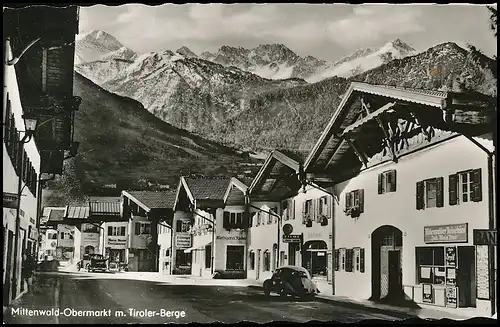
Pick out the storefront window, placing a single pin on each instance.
(267, 261)
(430, 265)
(182, 258)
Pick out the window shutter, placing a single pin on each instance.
(315, 210)
(225, 220)
(110, 230)
(362, 260)
(337, 256)
(420, 195)
(394, 181)
(439, 192)
(137, 228)
(329, 206)
(122, 231)
(250, 219)
(453, 189)
(380, 179)
(304, 212)
(347, 202)
(477, 192)
(293, 210)
(361, 197)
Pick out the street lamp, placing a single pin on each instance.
(30, 125)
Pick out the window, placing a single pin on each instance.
(235, 257)
(387, 182)
(208, 256)
(62, 235)
(282, 258)
(233, 220)
(269, 217)
(142, 228)
(307, 213)
(465, 187)
(354, 203)
(291, 209)
(250, 219)
(284, 210)
(274, 210)
(182, 258)
(267, 261)
(349, 256)
(251, 259)
(323, 206)
(259, 218)
(116, 231)
(430, 193)
(430, 265)
(337, 258)
(89, 228)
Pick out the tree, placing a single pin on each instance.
(386, 57)
(493, 19)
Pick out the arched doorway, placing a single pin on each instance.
(89, 249)
(314, 258)
(387, 277)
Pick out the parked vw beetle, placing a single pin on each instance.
(291, 280)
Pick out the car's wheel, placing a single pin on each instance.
(267, 291)
(283, 293)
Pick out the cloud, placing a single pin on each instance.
(375, 23)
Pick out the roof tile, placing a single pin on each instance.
(105, 208)
(155, 200)
(208, 188)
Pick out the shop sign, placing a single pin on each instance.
(33, 234)
(231, 238)
(484, 237)
(451, 297)
(456, 233)
(451, 276)
(287, 229)
(183, 241)
(90, 237)
(292, 238)
(427, 293)
(118, 242)
(482, 272)
(10, 200)
(451, 256)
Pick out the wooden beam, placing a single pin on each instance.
(365, 106)
(342, 143)
(360, 156)
(387, 139)
(44, 70)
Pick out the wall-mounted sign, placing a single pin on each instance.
(456, 233)
(287, 229)
(51, 245)
(292, 238)
(451, 276)
(484, 237)
(115, 242)
(183, 241)
(90, 237)
(33, 234)
(451, 256)
(483, 273)
(451, 297)
(231, 238)
(10, 200)
(427, 293)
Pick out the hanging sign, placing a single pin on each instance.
(10, 200)
(484, 237)
(292, 238)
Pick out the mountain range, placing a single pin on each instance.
(205, 110)
(210, 96)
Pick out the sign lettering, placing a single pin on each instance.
(485, 237)
(117, 242)
(10, 200)
(233, 238)
(183, 241)
(292, 238)
(456, 233)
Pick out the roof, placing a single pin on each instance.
(276, 164)
(429, 98)
(207, 188)
(235, 182)
(57, 214)
(105, 208)
(78, 212)
(153, 200)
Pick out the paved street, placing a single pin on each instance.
(110, 295)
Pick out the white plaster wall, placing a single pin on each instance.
(124, 238)
(224, 237)
(137, 241)
(399, 208)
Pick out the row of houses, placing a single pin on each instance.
(38, 123)
(395, 200)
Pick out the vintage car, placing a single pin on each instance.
(98, 264)
(87, 258)
(291, 280)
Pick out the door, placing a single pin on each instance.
(8, 268)
(466, 276)
(257, 271)
(395, 282)
(292, 248)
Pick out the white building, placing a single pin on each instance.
(412, 170)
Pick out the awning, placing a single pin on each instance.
(199, 246)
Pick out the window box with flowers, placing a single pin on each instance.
(354, 203)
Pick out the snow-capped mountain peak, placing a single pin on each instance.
(185, 51)
(94, 45)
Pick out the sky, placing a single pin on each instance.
(325, 31)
